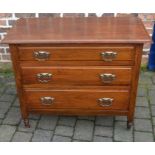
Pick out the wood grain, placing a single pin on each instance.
(77, 53)
(76, 63)
(78, 30)
(78, 98)
(134, 84)
(19, 85)
(75, 46)
(78, 112)
(79, 75)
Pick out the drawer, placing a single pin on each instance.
(79, 75)
(106, 54)
(100, 98)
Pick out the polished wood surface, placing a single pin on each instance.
(78, 98)
(75, 60)
(76, 63)
(134, 84)
(77, 53)
(79, 112)
(78, 30)
(77, 75)
(19, 85)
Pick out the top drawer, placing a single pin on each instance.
(77, 53)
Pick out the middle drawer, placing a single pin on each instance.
(81, 75)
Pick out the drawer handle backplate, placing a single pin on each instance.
(107, 77)
(44, 77)
(41, 55)
(105, 102)
(47, 100)
(109, 55)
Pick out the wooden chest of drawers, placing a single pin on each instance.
(77, 66)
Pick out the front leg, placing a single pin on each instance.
(26, 123)
(129, 122)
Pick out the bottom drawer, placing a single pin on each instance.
(100, 98)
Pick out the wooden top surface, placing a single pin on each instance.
(78, 30)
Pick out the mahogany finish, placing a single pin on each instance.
(78, 99)
(77, 66)
(80, 75)
(77, 53)
(78, 30)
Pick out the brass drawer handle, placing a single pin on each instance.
(109, 55)
(105, 102)
(41, 55)
(107, 77)
(47, 100)
(44, 77)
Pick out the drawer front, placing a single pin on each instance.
(78, 99)
(106, 54)
(76, 75)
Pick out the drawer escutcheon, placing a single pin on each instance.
(105, 102)
(41, 55)
(44, 77)
(109, 55)
(47, 100)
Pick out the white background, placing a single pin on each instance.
(74, 6)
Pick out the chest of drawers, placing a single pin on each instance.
(77, 66)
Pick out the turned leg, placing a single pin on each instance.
(129, 122)
(26, 123)
(25, 117)
(129, 125)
